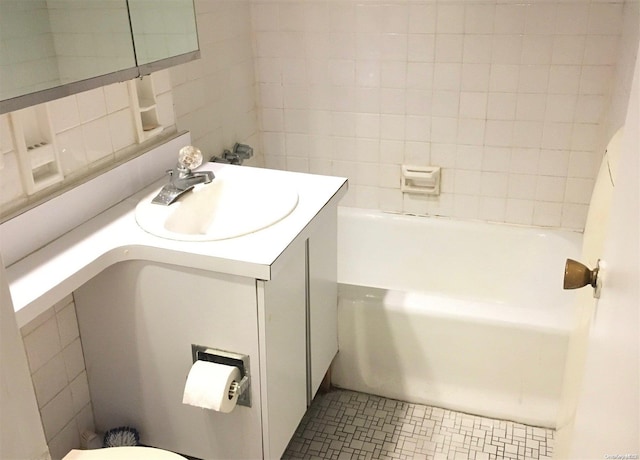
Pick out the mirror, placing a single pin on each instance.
(162, 29)
(54, 42)
(52, 48)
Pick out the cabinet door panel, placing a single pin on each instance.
(323, 296)
(281, 307)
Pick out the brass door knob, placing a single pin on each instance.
(577, 275)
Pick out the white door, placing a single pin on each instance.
(607, 420)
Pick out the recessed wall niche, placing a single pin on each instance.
(49, 147)
(145, 108)
(35, 144)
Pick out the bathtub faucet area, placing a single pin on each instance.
(236, 156)
(182, 176)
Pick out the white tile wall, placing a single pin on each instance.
(519, 89)
(215, 97)
(56, 361)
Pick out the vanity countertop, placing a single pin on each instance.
(52, 272)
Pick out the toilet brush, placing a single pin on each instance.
(121, 436)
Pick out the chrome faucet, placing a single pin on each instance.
(182, 178)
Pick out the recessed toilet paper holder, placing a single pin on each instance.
(201, 353)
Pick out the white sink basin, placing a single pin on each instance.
(230, 206)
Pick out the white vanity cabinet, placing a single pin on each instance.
(138, 320)
(142, 301)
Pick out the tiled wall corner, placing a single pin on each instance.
(54, 351)
(214, 97)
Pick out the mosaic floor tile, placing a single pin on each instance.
(346, 425)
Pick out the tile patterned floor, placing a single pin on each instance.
(345, 425)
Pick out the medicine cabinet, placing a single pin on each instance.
(54, 48)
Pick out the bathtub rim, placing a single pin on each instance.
(400, 215)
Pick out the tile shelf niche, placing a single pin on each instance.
(145, 111)
(35, 143)
(34, 139)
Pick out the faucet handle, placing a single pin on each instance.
(189, 157)
(243, 151)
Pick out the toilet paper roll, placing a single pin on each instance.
(208, 386)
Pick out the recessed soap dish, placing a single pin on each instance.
(421, 180)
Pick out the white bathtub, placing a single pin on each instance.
(463, 315)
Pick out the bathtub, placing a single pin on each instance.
(463, 315)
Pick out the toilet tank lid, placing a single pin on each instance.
(123, 453)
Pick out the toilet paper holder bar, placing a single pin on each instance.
(228, 358)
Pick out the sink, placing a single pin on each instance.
(231, 205)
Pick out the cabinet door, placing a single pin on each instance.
(323, 296)
(281, 312)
